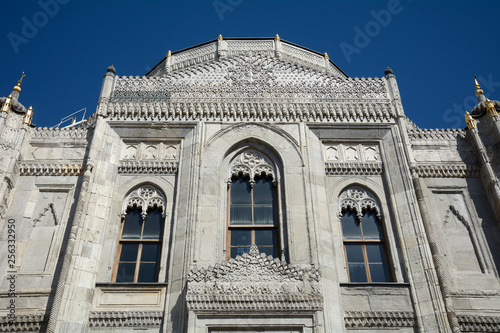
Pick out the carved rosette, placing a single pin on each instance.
(251, 163)
(358, 199)
(144, 197)
(254, 282)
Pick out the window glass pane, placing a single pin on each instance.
(371, 227)
(125, 272)
(375, 253)
(132, 225)
(265, 237)
(147, 272)
(263, 215)
(354, 253)
(150, 252)
(357, 273)
(378, 273)
(269, 251)
(263, 191)
(154, 225)
(241, 215)
(240, 191)
(350, 225)
(241, 237)
(238, 251)
(129, 252)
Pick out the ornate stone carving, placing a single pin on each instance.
(59, 133)
(146, 167)
(358, 199)
(448, 170)
(334, 169)
(144, 197)
(45, 169)
(143, 319)
(23, 323)
(251, 163)
(379, 319)
(254, 282)
(470, 323)
(436, 134)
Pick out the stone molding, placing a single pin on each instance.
(254, 282)
(59, 133)
(46, 169)
(148, 167)
(23, 323)
(448, 170)
(341, 169)
(479, 323)
(251, 163)
(379, 319)
(143, 319)
(436, 134)
(233, 110)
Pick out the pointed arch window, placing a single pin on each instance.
(252, 202)
(141, 230)
(363, 237)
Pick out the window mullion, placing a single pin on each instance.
(367, 265)
(138, 262)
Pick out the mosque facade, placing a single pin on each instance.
(249, 185)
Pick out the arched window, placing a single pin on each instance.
(139, 246)
(363, 237)
(252, 214)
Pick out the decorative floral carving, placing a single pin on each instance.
(256, 282)
(146, 167)
(358, 199)
(144, 197)
(251, 163)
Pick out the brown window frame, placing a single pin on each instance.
(253, 227)
(140, 242)
(363, 242)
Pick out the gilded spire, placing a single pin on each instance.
(479, 91)
(471, 123)
(277, 37)
(7, 104)
(326, 56)
(169, 54)
(18, 87)
(28, 116)
(219, 38)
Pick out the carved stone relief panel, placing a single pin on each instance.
(48, 214)
(156, 151)
(346, 152)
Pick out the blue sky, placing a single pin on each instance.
(434, 47)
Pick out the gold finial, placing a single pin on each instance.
(28, 116)
(18, 87)
(326, 56)
(219, 38)
(277, 37)
(471, 123)
(169, 53)
(7, 104)
(491, 108)
(479, 91)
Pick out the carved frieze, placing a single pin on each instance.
(448, 170)
(379, 319)
(23, 323)
(147, 167)
(470, 323)
(142, 319)
(254, 282)
(352, 159)
(46, 169)
(340, 169)
(158, 151)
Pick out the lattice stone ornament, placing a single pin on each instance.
(251, 163)
(144, 197)
(358, 199)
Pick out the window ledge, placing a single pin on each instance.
(130, 284)
(375, 284)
